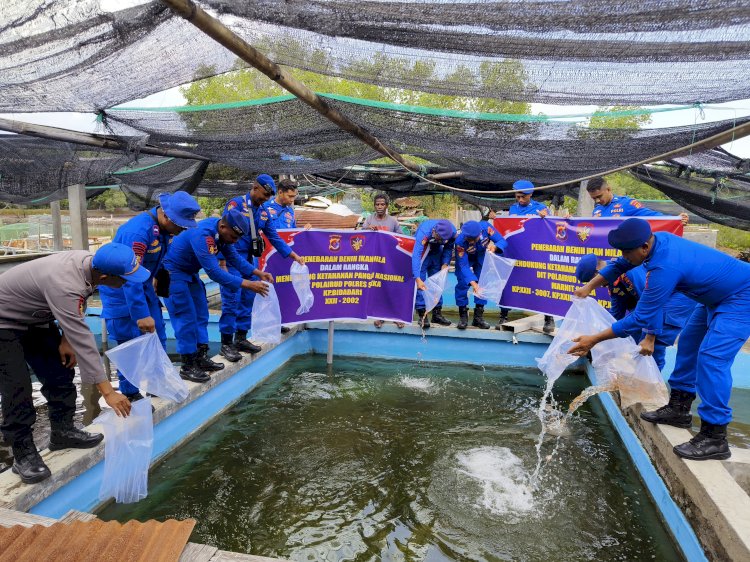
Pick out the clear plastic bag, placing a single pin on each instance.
(301, 283)
(145, 364)
(266, 323)
(435, 286)
(584, 317)
(128, 443)
(496, 271)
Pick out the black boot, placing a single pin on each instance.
(65, 435)
(549, 324)
(478, 321)
(676, 412)
(463, 317)
(190, 370)
(228, 350)
(710, 443)
(423, 321)
(27, 463)
(204, 361)
(285, 329)
(503, 319)
(241, 343)
(438, 318)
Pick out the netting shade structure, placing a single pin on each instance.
(69, 55)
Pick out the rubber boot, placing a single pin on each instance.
(478, 320)
(423, 321)
(190, 370)
(710, 443)
(676, 412)
(549, 324)
(27, 463)
(204, 362)
(65, 435)
(241, 343)
(438, 318)
(503, 319)
(228, 350)
(463, 317)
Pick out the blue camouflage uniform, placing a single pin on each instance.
(190, 252)
(236, 304)
(469, 259)
(282, 216)
(429, 255)
(123, 307)
(533, 208)
(624, 206)
(718, 326)
(625, 292)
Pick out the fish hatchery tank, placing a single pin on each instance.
(398, 460)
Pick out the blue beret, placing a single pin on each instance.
(524, 186)
(472, 229)
(586, 268)
(237, 221)
(444, 229)
(266, 181)
(630, 234)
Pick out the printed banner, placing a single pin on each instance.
(354, 274)
(547, 252)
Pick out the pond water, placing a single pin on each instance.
(393, 460)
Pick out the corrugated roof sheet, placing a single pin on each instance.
(321, 219)
(152, 541)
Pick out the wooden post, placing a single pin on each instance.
(78, 216)
(585, 202)
(57, 232)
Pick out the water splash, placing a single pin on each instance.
(421, 384)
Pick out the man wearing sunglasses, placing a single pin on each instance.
(135, 309)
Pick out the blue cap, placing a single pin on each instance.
(118, 259)
(586, 268)
(237, 221)
(630, 234)
(472, 229)
(266, 181)
(180, 208)
(444, 229)
(524, 186)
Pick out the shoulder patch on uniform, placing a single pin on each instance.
(139, 249)
(232, 204)
(155, 230)
(81, 306)
(490, 231)
(460, 251)
(636, 204)
(211, 245)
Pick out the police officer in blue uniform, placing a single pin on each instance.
(281, 207)
(135, 308)
(190, 252)
(607, 204)
(433, 247)
(471, 247)
(236, 305)
(710, 340)
(624, 294)
(525, 206)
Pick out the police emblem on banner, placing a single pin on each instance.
(357, 242)
(584, 231)
(562, 231)
(334, 242)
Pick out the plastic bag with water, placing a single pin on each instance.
(145, 364)
(266, 322)
(435, 285)
(585, 317)
(127, 453)
(301, 283)
(496, 271)
(636, 376)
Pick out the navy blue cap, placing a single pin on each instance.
(237, 221)
(472, 229)
(586, 268)
(180, 208)
(524, 186)
(630, 234)
(444, 229)
(118, 259)
(266, 181)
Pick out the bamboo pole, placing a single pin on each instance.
(226, 37)
(88, 139)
